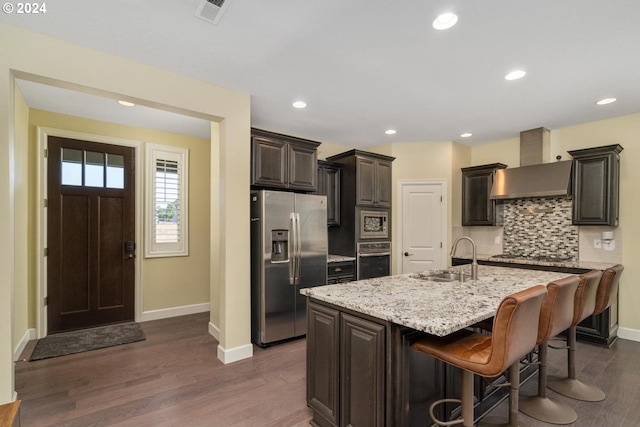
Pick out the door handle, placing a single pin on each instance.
(129, 256)
(407, 254)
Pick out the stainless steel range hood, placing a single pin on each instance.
(533, 180)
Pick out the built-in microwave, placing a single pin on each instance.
(374, 224)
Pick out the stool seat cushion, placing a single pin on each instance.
(515, 329)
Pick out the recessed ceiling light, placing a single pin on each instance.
(126, 103)
(299, 104)
(445, 21)
(465, 135)
(515, 75)
(390, 131)
(606, 101)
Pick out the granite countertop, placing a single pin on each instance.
(339, 258)
(586, 265)
(438, 308)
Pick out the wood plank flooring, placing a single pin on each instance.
(174, 379)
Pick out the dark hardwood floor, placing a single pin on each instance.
(174, 379)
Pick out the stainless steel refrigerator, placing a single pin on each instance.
(288, 253)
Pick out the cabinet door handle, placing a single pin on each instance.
(407, 254)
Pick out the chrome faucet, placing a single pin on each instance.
(474, 263)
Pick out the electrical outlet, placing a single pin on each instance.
(497, 240)
(597, 244)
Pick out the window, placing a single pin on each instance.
(167, 208)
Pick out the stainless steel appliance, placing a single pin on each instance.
(288, 252)
(374, 259)
(374, 224)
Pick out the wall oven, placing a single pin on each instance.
(374, 259)
(373, 224)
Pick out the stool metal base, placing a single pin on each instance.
(547, 410)
(576, 389)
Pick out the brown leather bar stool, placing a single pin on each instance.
(607, 290)
(514, 335)
(556, 315)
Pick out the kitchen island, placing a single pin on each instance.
(600, 329)
(361, 370)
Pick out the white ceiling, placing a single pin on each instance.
(364, 66)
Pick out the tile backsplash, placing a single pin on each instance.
(539, 227)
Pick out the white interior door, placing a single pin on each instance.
(422, 227)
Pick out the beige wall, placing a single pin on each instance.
(166, 282)
(327, 149)
(36, 57)
(621, 130)
(416, 160)
(22, 271)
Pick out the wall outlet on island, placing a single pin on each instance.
(597, 244)
(497, 240)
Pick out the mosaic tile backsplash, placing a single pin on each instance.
(539, 227)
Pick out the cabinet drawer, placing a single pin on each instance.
(336, 269)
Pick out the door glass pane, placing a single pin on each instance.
(71, 167)
(115, 171)
(94, 169)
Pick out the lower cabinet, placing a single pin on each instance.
(341, 272)
(345, 369)
(362, 372)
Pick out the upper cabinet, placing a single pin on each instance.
(477, 208)
(369, 174)
(596, 182)
(281, 161)
(329, 185)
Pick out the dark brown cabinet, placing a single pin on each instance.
(477, 208)
(329, 185)
(362, 363)
(281, 161)
(596, 182)
(323, 363)
(367, 176)
(346, 368)
(373, 182)
(341, 272)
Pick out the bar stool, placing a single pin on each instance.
(556, 315)
(514, 335)
(607, 290)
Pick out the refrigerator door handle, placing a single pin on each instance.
(292, 245)
(298, 249)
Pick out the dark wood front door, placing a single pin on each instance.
(90, 234)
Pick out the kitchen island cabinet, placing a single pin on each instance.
(361, 370)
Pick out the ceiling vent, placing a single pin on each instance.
(211, 10)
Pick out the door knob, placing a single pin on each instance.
(407, 254)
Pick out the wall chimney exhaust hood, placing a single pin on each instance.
(533, 178)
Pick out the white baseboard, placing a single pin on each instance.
(234, 354)
(166, 313)
(29, 335)
(629, 334)
(214, 331)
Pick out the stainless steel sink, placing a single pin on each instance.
(445, 276)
